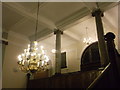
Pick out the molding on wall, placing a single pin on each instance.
(73, 17)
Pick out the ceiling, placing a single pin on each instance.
(70, 17)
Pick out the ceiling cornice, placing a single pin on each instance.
(72, 18)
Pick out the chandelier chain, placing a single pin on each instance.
(97, 5)
(87, 32)
(37, 22)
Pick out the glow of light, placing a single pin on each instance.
(42, 63)
(28, 45)
(39, 54)
(41, 47)
(88, 41)
(53, 51)
(19, 56)
(27, 53)
(23, 55)
(33, 59)
(43, 52)
(25, 50)
(36, 48)
(23, 62)
(32, 54)
(47, 59)
(28, 49)
(38, 63)
(35, 42)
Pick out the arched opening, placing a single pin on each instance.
(90, 59)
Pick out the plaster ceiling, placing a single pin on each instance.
(78, 32)
(72, 18)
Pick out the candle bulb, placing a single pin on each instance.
(41, 47)
(23, 62)
(38, 56)
(38, 64)
(35, 43)
(28, 45)
(25, 50)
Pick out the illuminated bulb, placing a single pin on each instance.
(84, 40)
(89, 38)
(25, 50)
(19, 56)
(41, 47)
(47, 59)
(28, 49)
(23, 62)
(36, 48)
(38, 64)
(28, 45)
(32, 54)
(20, 59)
(53, 51)
(35, 42)
(87, 41)
(42, 63)
(27, 53)
(23, 55)
(43, 52)
(45, 56)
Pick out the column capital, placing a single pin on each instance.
(58, 31)
(97, 12)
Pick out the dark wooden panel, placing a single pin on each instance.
(71, 80)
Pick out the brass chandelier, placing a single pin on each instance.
(34, 58)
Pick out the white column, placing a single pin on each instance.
(58, 52)
(100, 33)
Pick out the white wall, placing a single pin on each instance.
(73, 57)
(12, 77)
(110, 23)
